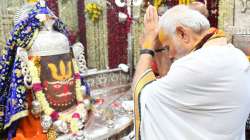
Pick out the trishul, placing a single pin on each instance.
(62, 75)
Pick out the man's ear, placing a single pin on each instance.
(182, 34)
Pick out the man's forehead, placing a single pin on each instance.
(163, 36)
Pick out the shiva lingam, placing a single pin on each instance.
(52, 69)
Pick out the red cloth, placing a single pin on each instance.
(30, 127)
(154, 67)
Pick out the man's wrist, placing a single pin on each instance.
(147, 51)
(148, 43)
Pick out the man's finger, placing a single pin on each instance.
(145, 19)
(148, 13)
(151, 12)
(156, 17)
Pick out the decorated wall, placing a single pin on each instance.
(234, 18)
(96, 24)
(137, 30)
(68, 13)
(226, 8)
(241, 32)
(96, 34)
(7, 11)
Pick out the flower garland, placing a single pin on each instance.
(32, 1)
(82, 24)
(157, 3)
(185, 1)
(213, 8)
(96, 39)
(71, 118)
(94, 11)
(226, 12)
(53, 5)
(171, 3)
(68, 14)
(117, 44)
(137, 30)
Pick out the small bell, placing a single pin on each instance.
(36, 108)
(61, 127)
(46, 123)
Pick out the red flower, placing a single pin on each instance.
(37, 87)
(30, 57)
(54, 116)
(117, 44)
(77, 76)
(76, 115)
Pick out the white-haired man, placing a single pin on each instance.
(205, 95)
(162, 63)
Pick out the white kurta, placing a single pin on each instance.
(205, 96)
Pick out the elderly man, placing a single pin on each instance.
(203, 96)
(161, 63)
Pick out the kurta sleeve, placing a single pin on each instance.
(146, 78)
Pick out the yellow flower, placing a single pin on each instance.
(88, 7)
(94, 11)
(4, 52)
(95, 16)
(31, 1)
(98, 8)
(73, 125)
(157, 3)
(21, 88)
(18, 73)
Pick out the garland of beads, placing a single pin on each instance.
(33, 65)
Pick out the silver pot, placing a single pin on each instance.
(46, 123)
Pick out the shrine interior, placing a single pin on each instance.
(69, 69)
